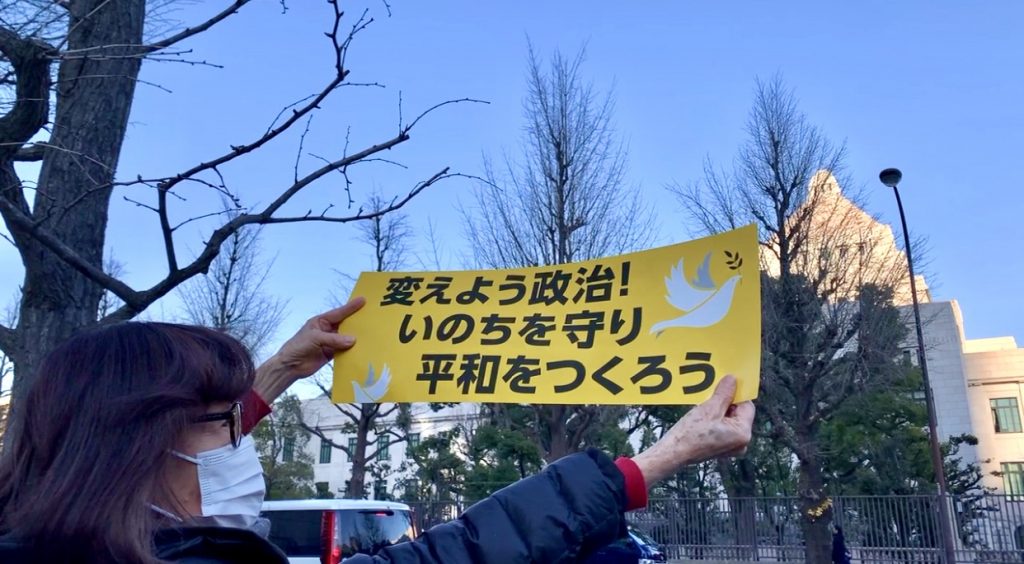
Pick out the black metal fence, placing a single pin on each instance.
(892, 529)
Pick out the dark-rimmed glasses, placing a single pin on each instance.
(234, 418)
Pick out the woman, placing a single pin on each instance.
(94, 464)
(131, 448)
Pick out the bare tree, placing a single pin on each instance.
(231, 296)
(564, 199)
(435, 256)
(829, 326)
(388, 236)
(68, 74)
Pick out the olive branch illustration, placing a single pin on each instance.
(734, 260)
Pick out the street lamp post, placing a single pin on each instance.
(891, 177)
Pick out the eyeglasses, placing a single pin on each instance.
(234, 418)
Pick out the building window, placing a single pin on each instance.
(351, 448)
(380, 489)
(288, 450)
(1005, 415)
(414, 441)
(412, 488)
(908, 357)
(325, 451)
(1013, 479)
(383, 448)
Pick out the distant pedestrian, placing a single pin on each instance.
(840, 555)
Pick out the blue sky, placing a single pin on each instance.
(932, 87)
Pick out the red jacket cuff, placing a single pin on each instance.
(254, 409)
(636, 486)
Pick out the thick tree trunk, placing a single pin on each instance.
(93, 102)
(357, 481)
(815, 512)
(357, 477)
(740, 483)
(557, 435)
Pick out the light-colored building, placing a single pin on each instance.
(943, 343)
(995, 384)
(977, 384)
(332, 467)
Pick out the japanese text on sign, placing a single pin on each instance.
(658, 326)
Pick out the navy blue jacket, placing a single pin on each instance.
(187, 545)
(563, 514)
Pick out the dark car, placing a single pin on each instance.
(635, 548)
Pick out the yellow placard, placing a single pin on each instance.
(653, 327)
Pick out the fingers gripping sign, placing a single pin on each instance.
(713, 429)
(318, 340)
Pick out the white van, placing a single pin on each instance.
(329, 530)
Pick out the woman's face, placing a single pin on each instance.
(182, 476)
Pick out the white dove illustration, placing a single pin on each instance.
(374, 388)
(702, 303)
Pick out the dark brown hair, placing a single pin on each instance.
(88, 444)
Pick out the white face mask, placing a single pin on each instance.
(231, 485)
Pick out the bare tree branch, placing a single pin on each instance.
(31, 107)
(438, 106)
(78, 161)
(566, 197)
(203, 216)
(323, 437)
(124, 77)
(195, 30)
(239, 150)
(165, 228)
(33, 153)
(327, 394)
(298, 153)
(41, 146)
(390, 411)
(6, 340)
(139, 204)
(17, 218)
(136, 301)
(232, 297)
(360, 215)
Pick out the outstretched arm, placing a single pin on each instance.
(577, 504)
(313, 346)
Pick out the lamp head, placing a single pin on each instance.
(890, 177)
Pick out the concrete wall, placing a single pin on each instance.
(965, 375)
(943, 338)
(991, 374)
